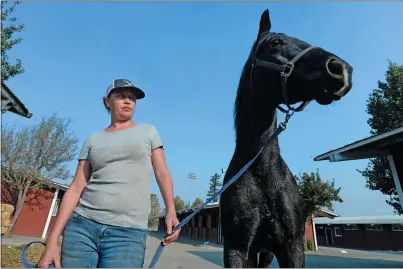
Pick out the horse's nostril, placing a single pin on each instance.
(335, 68)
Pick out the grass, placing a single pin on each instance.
(11, 255)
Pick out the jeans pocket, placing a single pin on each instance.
(75, 217)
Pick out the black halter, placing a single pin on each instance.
(285, 71)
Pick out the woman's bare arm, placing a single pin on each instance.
(164, 179)
(70, 200)
(165, 184)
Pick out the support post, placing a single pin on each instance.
(315, 241)
(45, 230)
(395, 176)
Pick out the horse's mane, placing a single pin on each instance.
(242, 96)
(243, 99)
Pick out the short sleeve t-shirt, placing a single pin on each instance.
(117, 192)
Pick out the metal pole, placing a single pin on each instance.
(191, 176)
(220, 237)
(222, 173)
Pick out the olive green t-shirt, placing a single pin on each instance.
(117, 192)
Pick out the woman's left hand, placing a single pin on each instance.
(171, 221)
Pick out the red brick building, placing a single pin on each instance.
(39, 210)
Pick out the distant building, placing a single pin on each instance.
(205, 225)
(365, 233)
(11, 103)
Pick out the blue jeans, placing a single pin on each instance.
(89, 244)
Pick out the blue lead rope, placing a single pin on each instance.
(160, 248)
(24, 261)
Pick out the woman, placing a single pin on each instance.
(104, 212)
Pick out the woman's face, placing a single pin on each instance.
(121, 104)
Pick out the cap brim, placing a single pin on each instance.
(137, 91)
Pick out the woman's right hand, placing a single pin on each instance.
(71, 197)
(50, 256)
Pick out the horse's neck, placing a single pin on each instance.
(269, 162)
(257, 131)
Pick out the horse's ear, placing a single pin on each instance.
(265, 24)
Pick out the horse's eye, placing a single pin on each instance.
(275, 42)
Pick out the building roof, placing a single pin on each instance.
(375, 146)
(55, 184)
(330, 212)
(217, 204)
(392, 219)
(210, 205)
(58, 185)
(10, 102)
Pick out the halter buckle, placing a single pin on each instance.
(287, 69)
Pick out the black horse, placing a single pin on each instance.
(261, 213)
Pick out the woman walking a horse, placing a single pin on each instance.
(104, 212)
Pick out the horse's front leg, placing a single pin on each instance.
(291, 254)
(235, 257)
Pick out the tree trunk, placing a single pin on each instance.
(20, 203)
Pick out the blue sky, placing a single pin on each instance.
(188, 57)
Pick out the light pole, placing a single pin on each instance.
(222, 173)
(191, 176)
(220, 237)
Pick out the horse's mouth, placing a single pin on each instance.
(326, 97)
(339, 82)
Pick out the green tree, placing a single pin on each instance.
(154, 215)
(215, 185)
(197, 202)
(385, 107)
(179, 203)
(34, 155)
(8, 29)
(316, 193)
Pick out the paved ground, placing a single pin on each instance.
(18, 240)
(188, 253)
(358, 252)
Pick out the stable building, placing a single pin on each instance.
(365, 233)
(205, 225)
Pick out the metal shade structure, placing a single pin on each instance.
(388, 144)
(11, 103)
(381, 145)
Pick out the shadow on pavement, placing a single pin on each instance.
(313, 261)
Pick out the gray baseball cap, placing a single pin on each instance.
(125, 83)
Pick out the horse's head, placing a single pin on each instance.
(301, 71)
